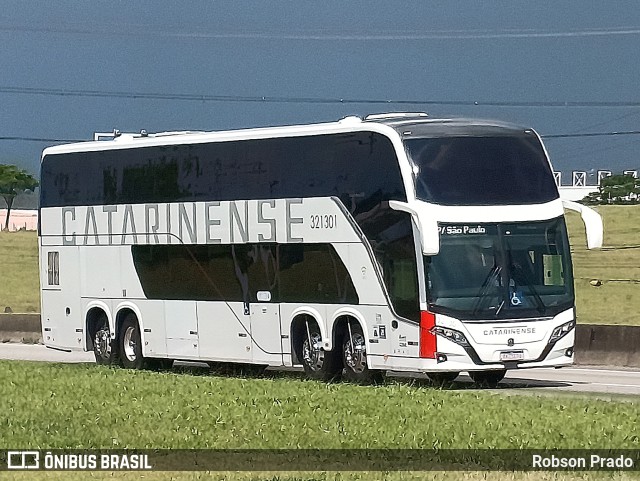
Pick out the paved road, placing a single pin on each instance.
(575, 379)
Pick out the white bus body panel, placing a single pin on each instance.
(266, 345)
(62, 325)
(181, 323)
(224, 331)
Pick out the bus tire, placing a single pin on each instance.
(130, 344)
(158, 364)
(488, 378)
(104, 348)
(317, 363)
(442, 378)
(354, 358)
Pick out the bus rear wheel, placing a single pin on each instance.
(488, 378)
(104, 348)
(318, 363)
(130, 345)
(354, 358)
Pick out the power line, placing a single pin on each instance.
(591, 134)
(309, 100)
(120, 30)
(607, 122)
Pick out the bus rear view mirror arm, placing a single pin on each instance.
(592, 223)
(428, 227)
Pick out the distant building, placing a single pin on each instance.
(20, 219)
(583, 183)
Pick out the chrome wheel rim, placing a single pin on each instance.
(313, 356)
(129, 344)
(102, 343)
(355, 357)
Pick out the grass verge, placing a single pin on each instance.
(89, 406)
(19, 271)
(617, 299)
(47, 406)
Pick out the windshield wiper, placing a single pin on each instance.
(492, 275)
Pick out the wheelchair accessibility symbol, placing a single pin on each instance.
(515, 299)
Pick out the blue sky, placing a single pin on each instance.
(530, 57)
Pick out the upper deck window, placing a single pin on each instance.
(482, 170)
(360, 168)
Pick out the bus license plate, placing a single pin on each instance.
(512, 356)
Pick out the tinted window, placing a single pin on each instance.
(391, 236)
(501, 271)
(190, 272)
(311, 273)
(314, 273)
(360, 168)
(482, 170)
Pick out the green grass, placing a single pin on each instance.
(46, 406)
(19, 271)
(616, 301)
(89, 406)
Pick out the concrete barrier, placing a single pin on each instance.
(599, 345)
(596, 345)
(20, 328)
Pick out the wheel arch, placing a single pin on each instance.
(122, 311)
(298, 330)
(339, 325)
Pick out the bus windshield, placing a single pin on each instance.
(501, 271)
(501, 169)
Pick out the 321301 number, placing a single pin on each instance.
(324, 221)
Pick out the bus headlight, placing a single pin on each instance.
(450, 334)
(561, 331)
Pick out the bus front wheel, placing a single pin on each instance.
(442, 378)
(488, 378)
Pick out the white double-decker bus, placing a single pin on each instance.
(395, 242)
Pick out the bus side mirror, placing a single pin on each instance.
(428, 227)
(592, 223)
(430, 237)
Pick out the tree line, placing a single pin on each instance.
(14, 181)
(616, 189)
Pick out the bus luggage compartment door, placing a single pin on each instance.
(265, 333)
(181, 324)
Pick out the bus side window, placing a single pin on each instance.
(553, 272)
(313, 273)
